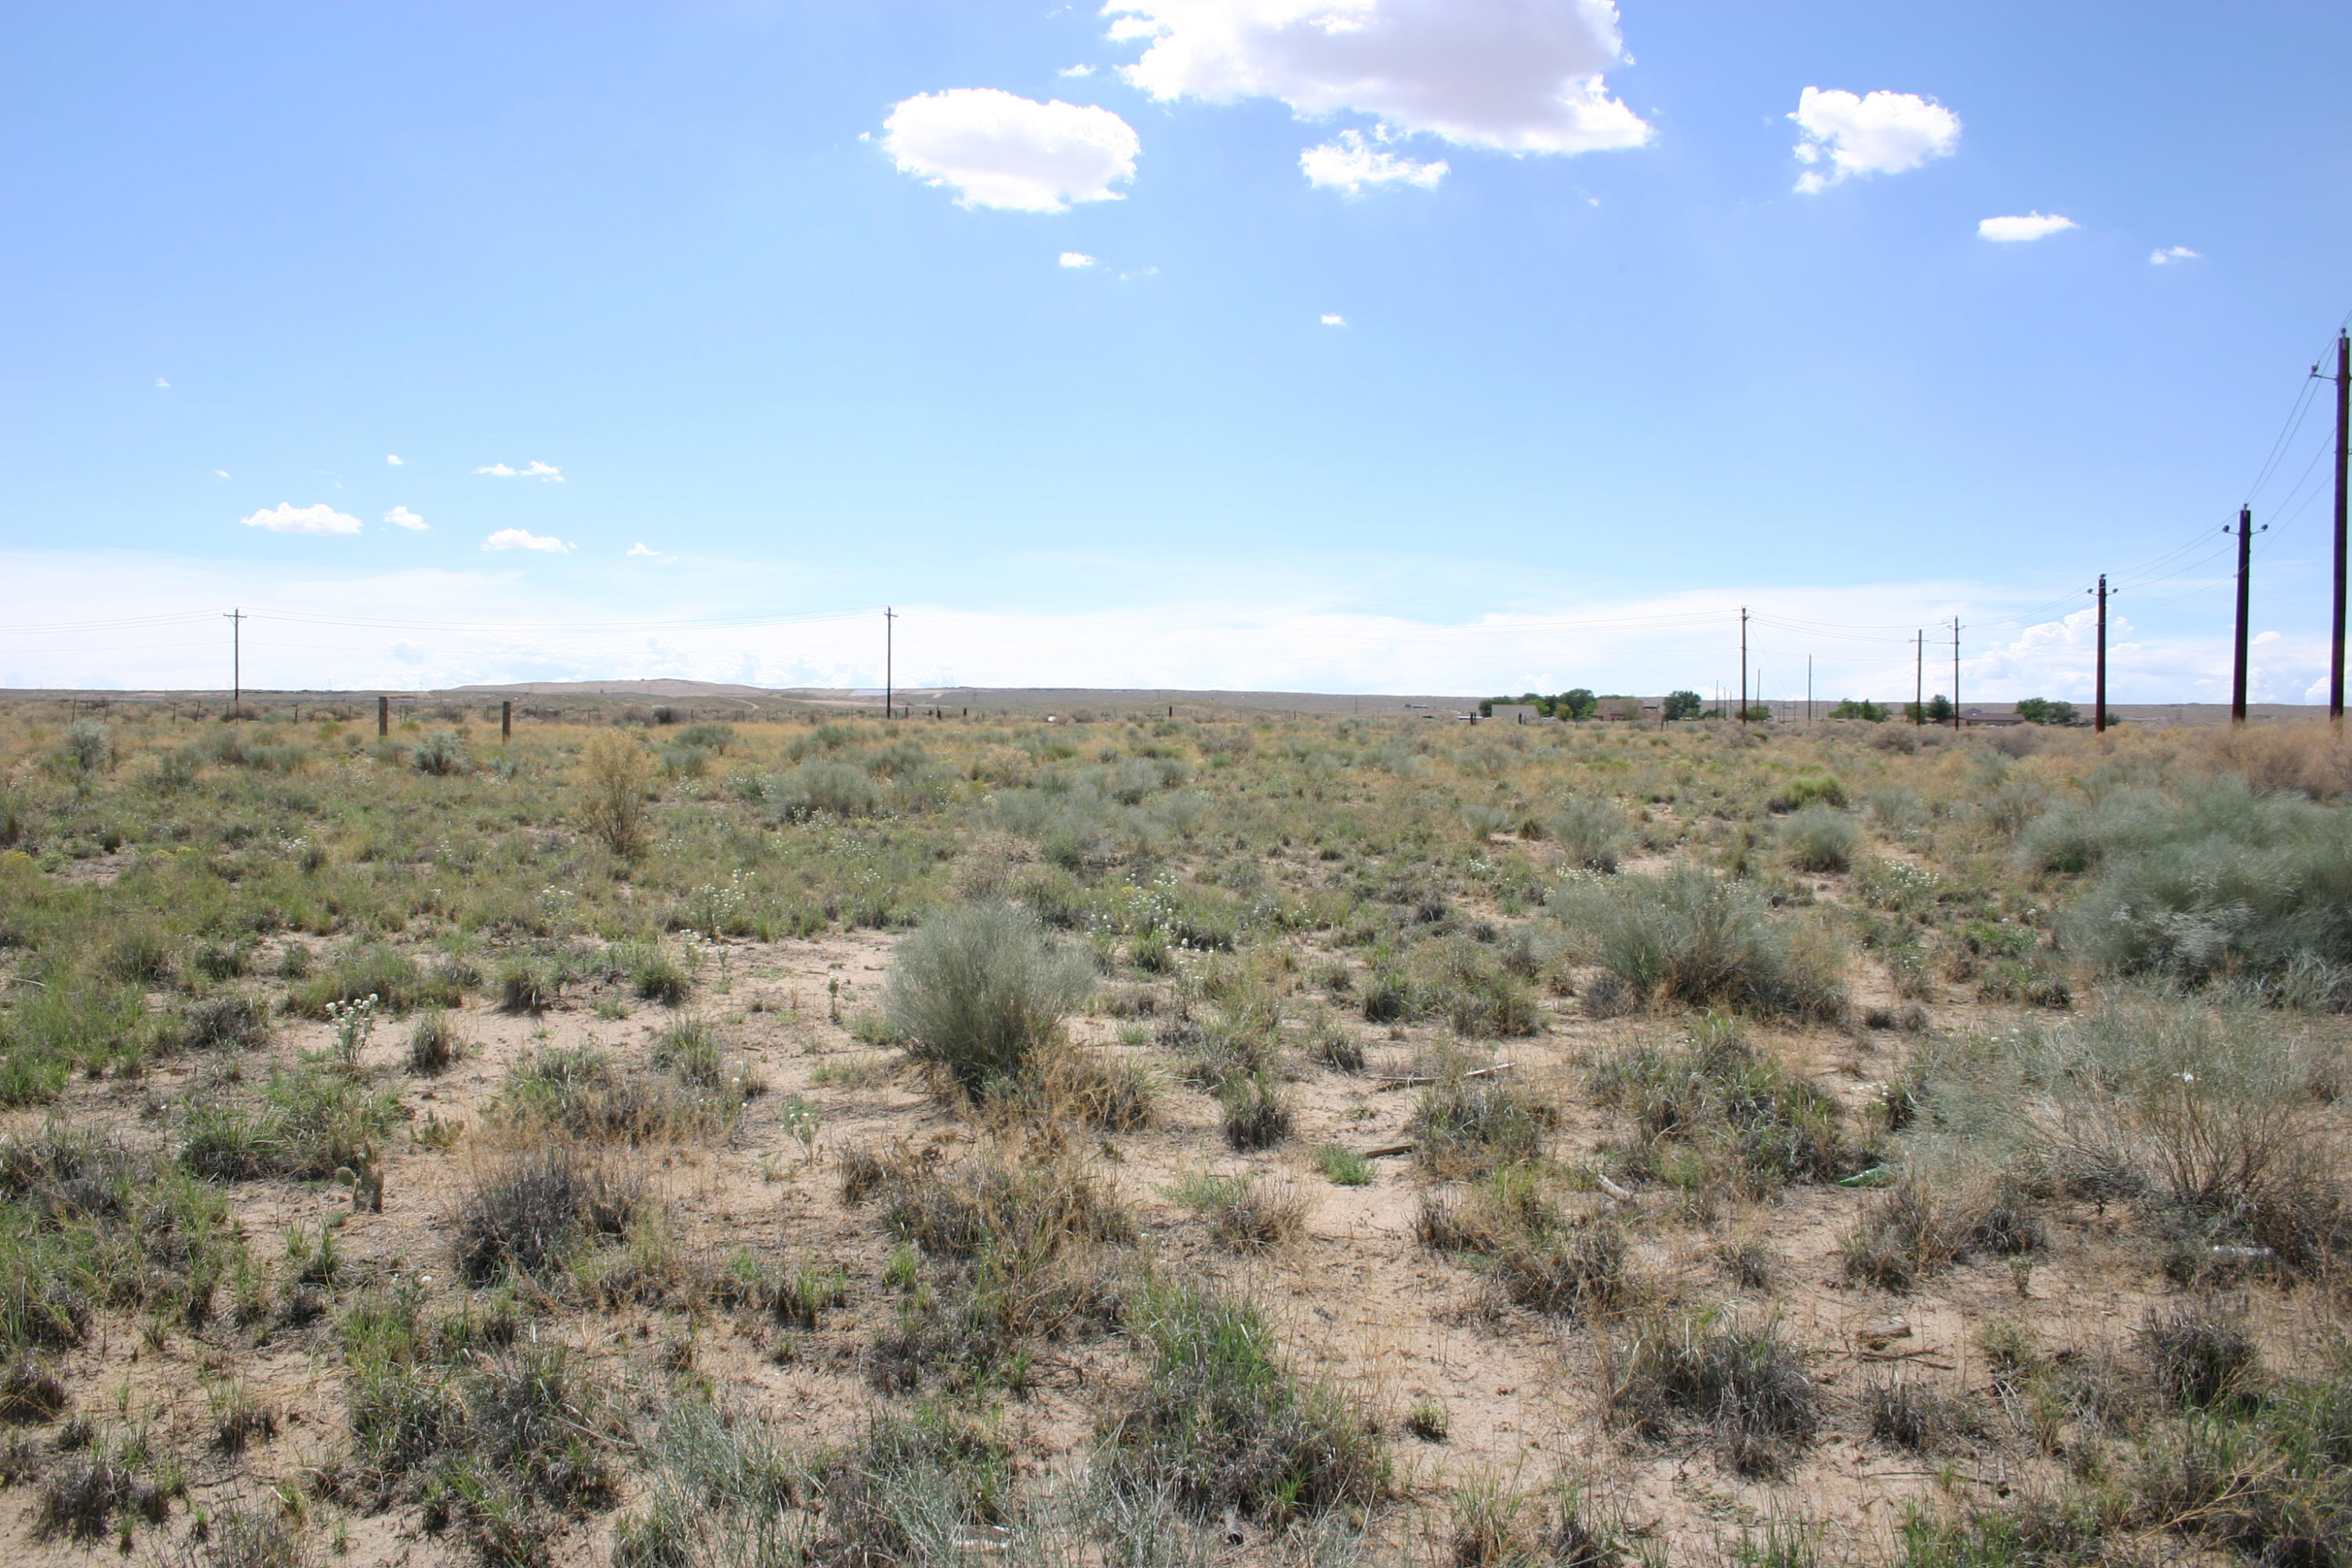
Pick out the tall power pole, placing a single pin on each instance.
(236, 619)
(2343, 463)
(1955, 672)
(1743, 664)
(2245, 562)
(2099, 682)
(889, 627)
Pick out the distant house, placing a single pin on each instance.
(1620, 710)
(1990, 718)
(1517, 713)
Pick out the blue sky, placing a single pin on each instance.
(769, 287)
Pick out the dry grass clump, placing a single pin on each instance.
(982, 990)
(531, 1213)
(1538, 1254)
(1492, 1524)
(1245, 1211)
(502, 1438)
(1920, 1228)
(1693, 938)
(720, 1488)
(1468, 1127)
(1020, 1244)
(1745, 1389)
(432, 1043)
(2201, 1356)
(1258, 1113)
(580, 1093)
(1714, 1108)
(1222, 1425)
(1917, 1417)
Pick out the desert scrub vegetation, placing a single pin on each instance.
(1695, 939)
(1876, 1028)
(1713, 1109)
(1222, 1425)
(2212, 1115)
(982, 990)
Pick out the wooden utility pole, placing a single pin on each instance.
(506, 720)
(2246, 532)
(1809, 689)
(383, 716)
(889, 625)
(1743, 664)
(2099, 680)
(236, 619)
(2343, 463)
(1920, 677)
(1955, 672)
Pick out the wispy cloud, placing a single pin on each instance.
(1332, 318)
(394, 462)
(548, 472)
(2171, 254)
(520, 538)
(401, 517)
(288, 518)
(1349, 164)
(1075, 259)
(162, 385)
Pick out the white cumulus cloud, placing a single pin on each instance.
(2170, 254)
(288, 518)
(1879, 133)
(1335, 320)
(1077, 258)
(1000, 150)
(547, 472)
(395, 462)
(1522, 75)
(2029, 226)
(639, 550)
(1349, 164)
(401, 517)
(518, 539)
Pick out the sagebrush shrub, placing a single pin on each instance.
(1590, 832)
(1820, 839)
(980, 989)
(1694, 938)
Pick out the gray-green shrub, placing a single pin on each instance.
(980, 989)
(1820, 839)
(1694, 938)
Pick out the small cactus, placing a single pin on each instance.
(364, 1177)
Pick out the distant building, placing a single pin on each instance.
(1990, 718)
(1517, 713)
(1620, 710)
